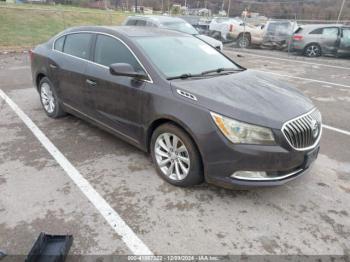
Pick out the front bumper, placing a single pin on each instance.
(229, 182)
(280, 162)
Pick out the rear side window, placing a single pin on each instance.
(109, 50)
(78, 45)
(317, 31)
(59, 43)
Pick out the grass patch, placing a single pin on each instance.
(24, 26)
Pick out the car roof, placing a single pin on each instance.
(128, 31)
(321, 25)
(158, 18)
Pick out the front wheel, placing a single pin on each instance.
(175, 156)
(312, 50)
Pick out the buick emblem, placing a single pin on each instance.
(315, 127)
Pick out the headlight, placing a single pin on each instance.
(242, 133)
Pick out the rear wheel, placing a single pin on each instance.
(312, 50)
(175, 156)
(243, 41)
(49, 99)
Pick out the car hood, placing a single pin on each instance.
(249, 96)
(209, 40)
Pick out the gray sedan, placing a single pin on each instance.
(200, 115)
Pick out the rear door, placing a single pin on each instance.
(344, 46)
(69, 70)
(330, 39)
(115, 101)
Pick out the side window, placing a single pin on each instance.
(78, 45)
(346, 36)
(59, 43)
(109, 50)
(141, 23)
(131, 22)
(150, 23)
(317, 31)
(330, 32)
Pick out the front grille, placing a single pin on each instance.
(303, 132)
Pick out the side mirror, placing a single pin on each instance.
(124, 69)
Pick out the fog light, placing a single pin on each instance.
(249, 174)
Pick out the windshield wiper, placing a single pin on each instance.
(221, 69)
(218, 70)
(183, 76)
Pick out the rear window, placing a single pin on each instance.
(78, 45)
(298, 30)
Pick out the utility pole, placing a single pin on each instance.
(135, 6)
(228, 8)
(340, 11)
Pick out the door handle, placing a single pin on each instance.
(90, 82)
(53, 66)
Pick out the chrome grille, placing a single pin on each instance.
(305, 131)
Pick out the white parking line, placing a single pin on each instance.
(135, 244)
(337, 130)
(290, 60)
(18, 67)
(303, 78)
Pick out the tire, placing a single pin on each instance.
(49, 99)
(170, 157)
(243, 41)
(312, 50)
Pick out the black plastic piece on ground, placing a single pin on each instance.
(2, 254)
(50, 248)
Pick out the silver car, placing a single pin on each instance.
(317, 40)
(172, 23)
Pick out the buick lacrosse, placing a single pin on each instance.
(200, 115)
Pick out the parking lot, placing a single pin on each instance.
(310, 215)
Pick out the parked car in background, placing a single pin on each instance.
(273, 34)
(317, 40)
(200, 115)
(200, 23)
(220, 26)
(246, 34)
(277, 33)
(172, 23)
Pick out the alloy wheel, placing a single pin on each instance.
(312, 51)
(47, 98)
(172, 156)
(243, 42)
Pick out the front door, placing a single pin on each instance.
(344, 46)
(330, 39)
(114, 100)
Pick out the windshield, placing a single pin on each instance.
(175, 56)
(180, 26)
